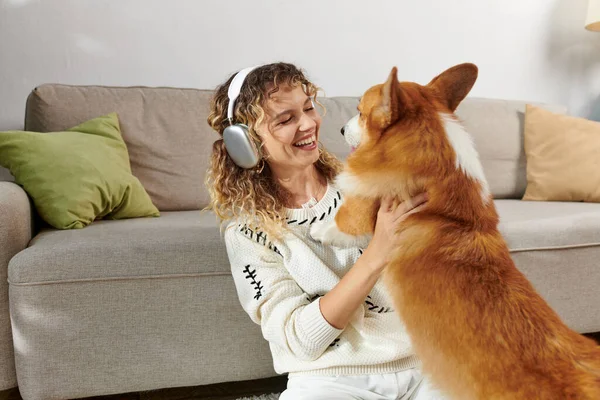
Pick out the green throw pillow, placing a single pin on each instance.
(78, 175)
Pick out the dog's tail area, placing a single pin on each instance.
(589, 367)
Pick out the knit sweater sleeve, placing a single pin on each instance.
(272, 298)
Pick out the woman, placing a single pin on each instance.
(328, 319)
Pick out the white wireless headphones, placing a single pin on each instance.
(240, 146)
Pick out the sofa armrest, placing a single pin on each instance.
(16, 230)
(16, 222)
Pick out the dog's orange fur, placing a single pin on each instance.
(478, 325)
(359, 214)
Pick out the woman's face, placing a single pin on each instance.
(290, 130)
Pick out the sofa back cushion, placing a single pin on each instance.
(497, 128)
(165, 130)
(170, 142)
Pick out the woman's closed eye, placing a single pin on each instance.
(291, 117)
(286, 121)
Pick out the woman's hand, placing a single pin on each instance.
(389, 217)
(340, 303)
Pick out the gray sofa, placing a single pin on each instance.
(149, 303)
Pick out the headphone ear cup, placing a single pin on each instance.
(240, 146)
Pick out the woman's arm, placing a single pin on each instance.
(273, 299)
(339, 305)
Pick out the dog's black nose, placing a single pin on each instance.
(343, 130)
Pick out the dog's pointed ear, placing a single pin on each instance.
(389, 110)
(454, 84)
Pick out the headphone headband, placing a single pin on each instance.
(235, 88)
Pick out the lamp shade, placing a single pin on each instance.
(592, 20)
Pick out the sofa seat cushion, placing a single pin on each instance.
(189, 242)
(556, 246)
(178, 243)
(541, 225)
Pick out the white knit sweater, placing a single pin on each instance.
(279, 284)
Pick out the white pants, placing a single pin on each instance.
(405, 385)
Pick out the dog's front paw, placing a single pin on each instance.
(324, 232)
(329, 234)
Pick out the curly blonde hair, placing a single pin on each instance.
(253, 194)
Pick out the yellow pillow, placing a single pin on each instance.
(563, 157)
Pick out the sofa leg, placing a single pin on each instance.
(217, 391)
(10, 394)
(595, 336)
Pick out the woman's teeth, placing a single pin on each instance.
(305, 142)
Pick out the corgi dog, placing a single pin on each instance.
(481, 330)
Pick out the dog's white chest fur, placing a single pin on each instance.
(329, 234)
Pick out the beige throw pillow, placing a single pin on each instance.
(563, 157)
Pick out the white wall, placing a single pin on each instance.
(533, 50)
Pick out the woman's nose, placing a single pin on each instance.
(307, 123)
